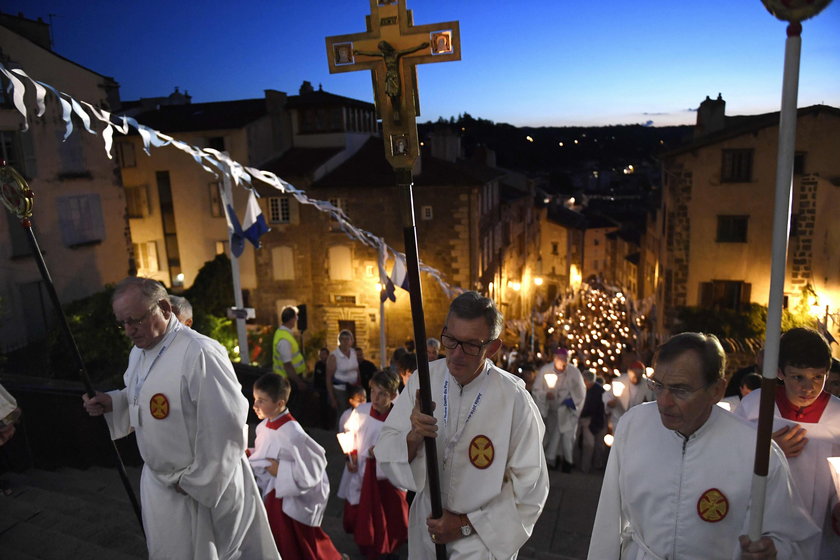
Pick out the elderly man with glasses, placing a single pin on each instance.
(678, 479)
(186, 407)
(488, 433)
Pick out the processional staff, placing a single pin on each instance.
(794, 12)
(391, 48)
(18, 198)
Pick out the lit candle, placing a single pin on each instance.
(347, 438)
(347, 441)
(617, 388)
(608, 439)
(550, 380)
(834, 466)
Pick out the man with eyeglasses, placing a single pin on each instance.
(807, 428)
(185, 405)
(678, 479)
(488, 433)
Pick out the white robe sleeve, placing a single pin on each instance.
(211, 388)
(391, 448)
(605, 543)
(578, 390)
(506, 522)
(779, 524)
(118, 419)
(301, 467)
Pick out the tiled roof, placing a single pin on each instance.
(744, 124)
(218, 115)
(369, 168)
(320, 97)
(300, 162)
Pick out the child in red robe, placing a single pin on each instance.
(376, 513)
(290, 468)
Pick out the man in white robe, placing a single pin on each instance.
(186, 407)
(678, 479)
(488, 434)
(560, 404)
(806, 426)
(626, 391)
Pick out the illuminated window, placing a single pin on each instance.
(282, 263)
(340, 263)
(146, 254)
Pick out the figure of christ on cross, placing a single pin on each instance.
(391, 48)
(391, 57)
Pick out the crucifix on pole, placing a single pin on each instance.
(391, 49)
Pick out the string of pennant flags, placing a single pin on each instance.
(215, 162)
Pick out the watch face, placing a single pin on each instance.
(466, 530)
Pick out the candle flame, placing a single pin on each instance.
(617, 388)
(608, 440)
(550, 380)
(346, 440)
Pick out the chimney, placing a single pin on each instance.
(711, 116)
(446, 145)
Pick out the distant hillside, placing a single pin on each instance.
(582, 148)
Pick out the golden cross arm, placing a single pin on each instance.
(391, 48)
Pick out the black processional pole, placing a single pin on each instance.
(18, 198)
(391, 48)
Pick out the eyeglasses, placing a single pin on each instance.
(679, 393)
(468, 348)
(135, 322)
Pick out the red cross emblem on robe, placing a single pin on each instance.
(159, 406)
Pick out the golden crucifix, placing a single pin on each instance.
(391, 49)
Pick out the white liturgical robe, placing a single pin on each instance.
(301, 480)
(665, 496)
(365, 430)
(810, 469)
(490, 460)
(185, 405)
(627, 394)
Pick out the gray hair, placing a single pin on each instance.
(434, 343)
(151, 291)
(181, 307)
(472, 305)
(706, 346)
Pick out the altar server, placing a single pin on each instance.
(678, 479)
(290, 468)
(488, 434)
(186, 407)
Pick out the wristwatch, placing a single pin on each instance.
(466, 528)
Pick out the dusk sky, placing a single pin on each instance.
(529, 63)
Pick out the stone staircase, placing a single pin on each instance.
(69, 513)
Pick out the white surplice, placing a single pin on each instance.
(365, 436)
(627, 394)
(810, 470)
(493, 471)
(185, 405)
(301, 480)
(561, 421)
(658, 482)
